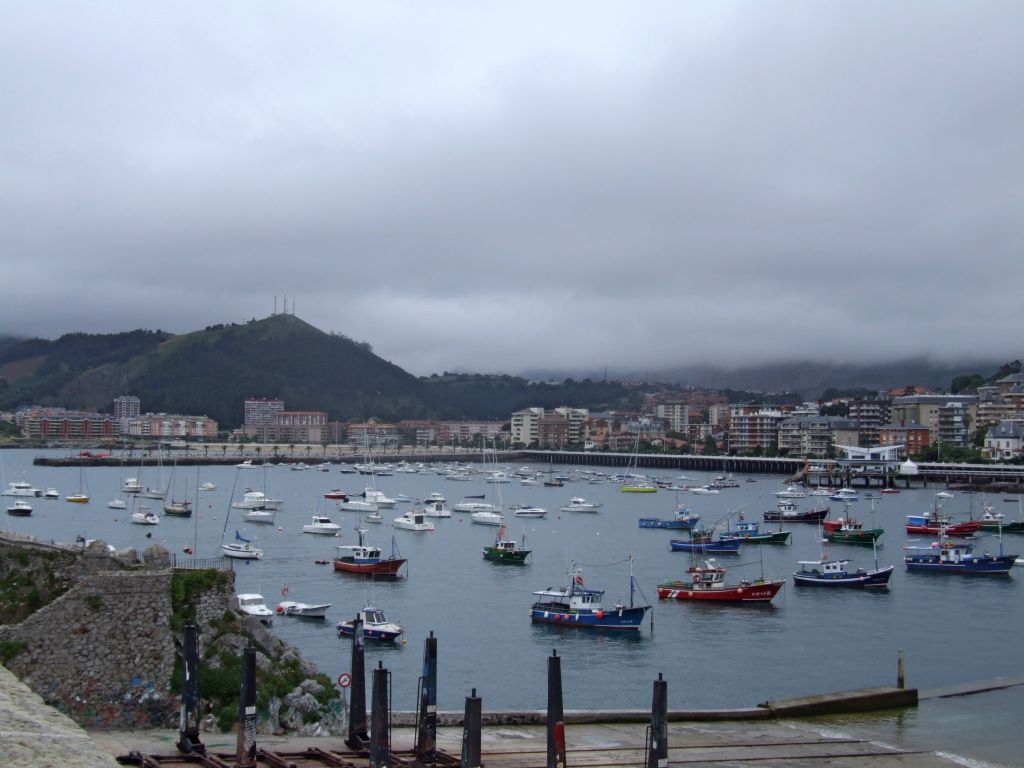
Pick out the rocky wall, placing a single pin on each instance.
(102, 652)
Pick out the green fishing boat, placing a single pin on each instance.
(846, 530)
(506, 550)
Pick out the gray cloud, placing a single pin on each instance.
(523, 186)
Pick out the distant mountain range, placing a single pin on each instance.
(212, 371)
(809, 378)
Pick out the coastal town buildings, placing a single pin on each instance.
(62, 424)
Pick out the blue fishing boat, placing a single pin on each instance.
(684, 520)
(955, 557)
(576, 606)
(836, 573)
(704, 544)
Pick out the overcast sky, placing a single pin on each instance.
(491, 187)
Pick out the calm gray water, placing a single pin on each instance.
(952, 629)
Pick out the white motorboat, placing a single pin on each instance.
(207, 486)
(374, 517)
(705, 490)
(305, 610)
(247, 464)
(51, 493)
(117, 504)
(845, 494)
(357, 505)
(131, 485)
(323, 525)
(252, 604)
(256, 500)
(498, 477)
(413, 521)
(469, 505)
(792, 492)
(20, 508)
(374, 496)
(530, 512)
(375, 626)
(21, 488)
(436, 509)
(145, 517)
(436, 496)
(488, 517)
(579, 504)
(261, 516)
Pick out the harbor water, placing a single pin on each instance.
(952, 629)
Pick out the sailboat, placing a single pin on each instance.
(175, 507)
(636, 483)
(82, 497)
(241, 548)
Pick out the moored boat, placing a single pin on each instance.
(177, 508)
(240, 549)
(579, 504)
(683, 520)
(836, 573)
(322, 525)
(505, 550)
(20, 508)
(788, 511)
(530, 512)
(21, 488)
(366, 559)
(751, 533)
(375, 626)
(707, 583)
(702, 542)
(955, 557)
(145, 517)
(413, 520)
(303, 610)
(575, 606)
(252, 604)
(488, 517)
(847, 530)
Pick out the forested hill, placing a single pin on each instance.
(212, 371)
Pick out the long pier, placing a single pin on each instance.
(827, 472)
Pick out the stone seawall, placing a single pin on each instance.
(102, 652)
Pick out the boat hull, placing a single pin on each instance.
(856, 580)
(754, 592)
(672, 525)
(981, 565)
(614, 618)
(959, 529)
(775, 537)
(516, 557)
(867, 537)
(730, 547)
(383, 569)
(345, 629)
(809, 516)
(1013, 527)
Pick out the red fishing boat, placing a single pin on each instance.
(707, 582)
(365, 559)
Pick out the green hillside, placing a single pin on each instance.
(212, 371)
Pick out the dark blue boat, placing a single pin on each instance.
(575, 606)
(706, 546)
(955, 557)
(684, 520)
(834, 573)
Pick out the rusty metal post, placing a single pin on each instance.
(189, 742)
(556, 715)
(900, 680)
(245, 752)
(471, 728)
(380, 720)
(657, 741)
(426, 716)
(358, 737)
